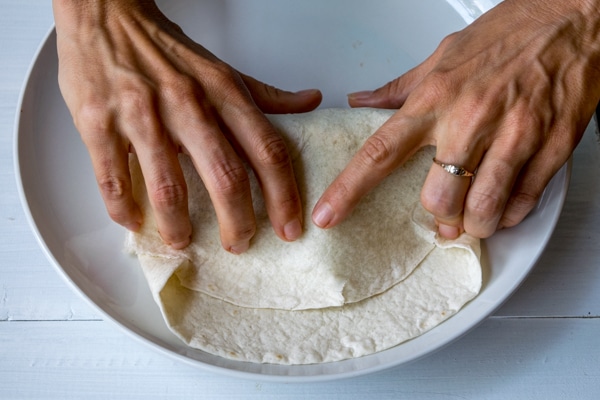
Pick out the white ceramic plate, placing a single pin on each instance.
(339, 46)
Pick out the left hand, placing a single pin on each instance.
(134, 82)
(508, 97)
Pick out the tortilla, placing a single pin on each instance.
(376, 280)
(268, 275)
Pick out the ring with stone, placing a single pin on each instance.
(453, 169)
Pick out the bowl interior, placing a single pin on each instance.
(337, 46)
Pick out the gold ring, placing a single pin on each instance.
(453, 169)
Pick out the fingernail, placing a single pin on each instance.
(292, 230)
(323, 215)
(181, 245)
(360, 95)
(239, 248)
(448, 231)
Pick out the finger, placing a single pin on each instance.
(268, 155)
(491, 189)
(111, 167)
(224, 176)
(549, 157)
(384, 151)
(272, 100)
(167, 193)
(392, 95)
(165, 184)
(523, 199)
(530, 185)
(443, 194)
(258, 142)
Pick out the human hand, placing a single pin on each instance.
(508, 97)
(134, 82)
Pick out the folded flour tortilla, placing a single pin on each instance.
(376, 280)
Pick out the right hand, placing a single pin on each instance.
(133, 81)
(509, 97)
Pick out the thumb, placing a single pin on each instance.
(391, 95)
(272, 100)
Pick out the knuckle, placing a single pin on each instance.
(221, 76)
(440, 206)
(224, 73)
(224, 88)
(448, 40)
(437, 88)
(137, 101)
(180, 89)
(273, 152)
(484, 206)
(271, 91)
(114, 188)
(93, 118)
(518, 206)
(527, 131)
(230, 180)
(168, 194)
(376, 150)
(115, 192)
(177, 28)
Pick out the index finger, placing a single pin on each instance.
(393, 143)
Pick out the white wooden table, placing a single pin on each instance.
(543, 344)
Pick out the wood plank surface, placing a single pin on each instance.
(505, 358)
